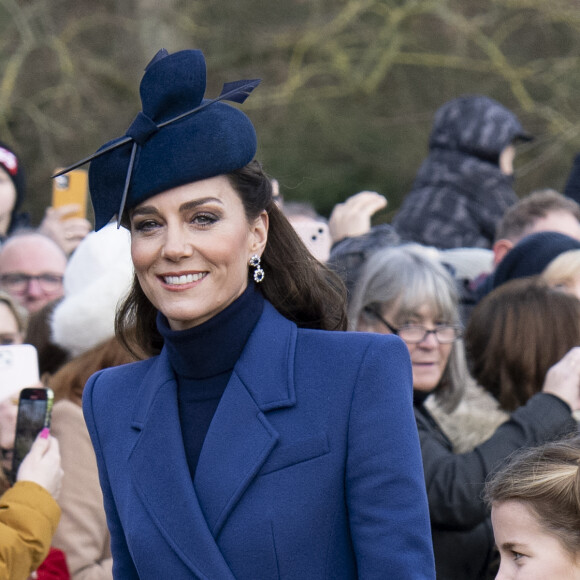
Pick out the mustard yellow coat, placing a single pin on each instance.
(28, 519)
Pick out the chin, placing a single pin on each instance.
(425, 385)
(422, 388)
(178, 323)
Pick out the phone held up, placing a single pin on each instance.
(34, 410)
(18, 369)
(316, 237)
(71, 187)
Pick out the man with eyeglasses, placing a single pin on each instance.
(31, 269)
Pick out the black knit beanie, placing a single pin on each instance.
(532, 254)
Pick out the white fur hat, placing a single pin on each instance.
(97, 277)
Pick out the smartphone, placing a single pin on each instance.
(72, 187)
(34, 410)
(18, 369)
(316, 237)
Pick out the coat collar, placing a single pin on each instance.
(265, 367)
(238, 442)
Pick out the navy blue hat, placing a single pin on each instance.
(531, 255)
(179, 137)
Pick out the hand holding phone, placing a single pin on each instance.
(34, 411)
(42, 464)
(68, 232)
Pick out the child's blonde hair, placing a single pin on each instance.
(547, 480)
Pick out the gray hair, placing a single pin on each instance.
(405, 278)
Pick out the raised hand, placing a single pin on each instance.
(563, 379)
(353, 217)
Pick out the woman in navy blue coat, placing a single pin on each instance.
(252, 442)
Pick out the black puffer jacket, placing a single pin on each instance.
(459, 193)
(461, 527)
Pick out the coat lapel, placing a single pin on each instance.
(240, 438)
(159, 472)
(239, 441)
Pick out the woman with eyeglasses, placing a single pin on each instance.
(406, 291)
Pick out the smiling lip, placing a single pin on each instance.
(181, 280)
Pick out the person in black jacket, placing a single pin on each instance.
(464, 186)
(406, 291)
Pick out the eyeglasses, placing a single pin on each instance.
(17, 283)
(416, 333)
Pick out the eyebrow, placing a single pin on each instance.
(512, 545)
(409, 313)
(186, 206)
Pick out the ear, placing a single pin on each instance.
(500, 250)
(259, 233)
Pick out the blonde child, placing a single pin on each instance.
(535, 512)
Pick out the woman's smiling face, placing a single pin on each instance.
(191, 246)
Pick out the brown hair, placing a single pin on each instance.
(518, 220)
(51, 356)
(69, 381)
(299, 286)
(547, 480)
(516, 333)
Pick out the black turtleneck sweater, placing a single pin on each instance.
(203, 358)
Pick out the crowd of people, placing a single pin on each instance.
(245, 389)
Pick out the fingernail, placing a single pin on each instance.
(45, 433)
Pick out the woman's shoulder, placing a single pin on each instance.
(349, 338)
(128, 369)
(273, 323)
(350, 344)
(124, 377)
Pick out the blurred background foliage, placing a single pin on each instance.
(349, 86)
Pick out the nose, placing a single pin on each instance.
(176, 245)
(429, 341)
(34, 289)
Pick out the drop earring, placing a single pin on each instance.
(258, 272)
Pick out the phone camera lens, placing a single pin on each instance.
(62, 181)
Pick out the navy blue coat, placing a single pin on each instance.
(311, 467)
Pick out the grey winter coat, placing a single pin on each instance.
(459, 193)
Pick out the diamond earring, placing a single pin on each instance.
(258, 272)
